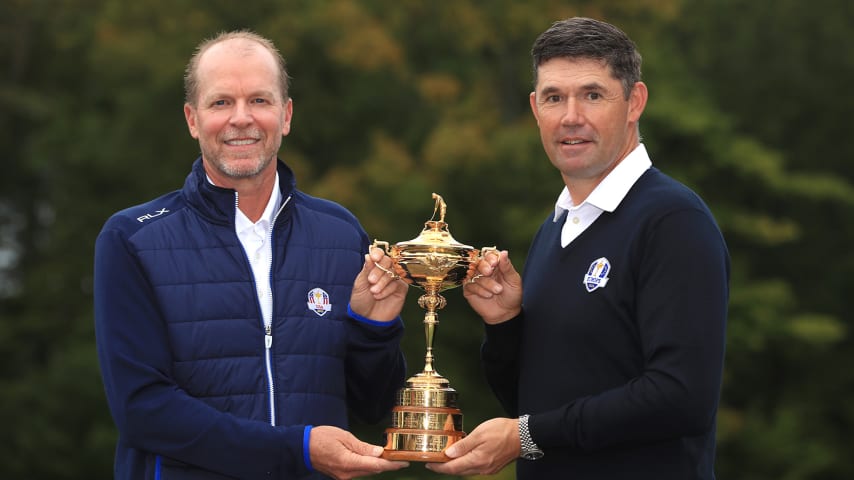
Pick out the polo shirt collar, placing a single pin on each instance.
(613, 188)
(242, 224)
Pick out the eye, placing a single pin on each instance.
(594, 96)
(259, 100)
(553, 99)
(218, 103)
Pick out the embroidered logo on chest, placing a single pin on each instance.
(318, 301)
(597, 274)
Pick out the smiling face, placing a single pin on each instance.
(587, 125)
(239, 116)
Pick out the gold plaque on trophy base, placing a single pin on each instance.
(425, 418)
(425, 421)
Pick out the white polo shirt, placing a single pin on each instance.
(604, 198)
(256, 239)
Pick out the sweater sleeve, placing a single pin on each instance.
(151, 411)
(681, 302)
(500, 358)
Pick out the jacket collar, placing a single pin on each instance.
(217, 204)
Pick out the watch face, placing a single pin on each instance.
(533, 455)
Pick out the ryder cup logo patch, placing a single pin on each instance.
(318, 301)
(597, 274)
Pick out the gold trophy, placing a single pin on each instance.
(425, 419)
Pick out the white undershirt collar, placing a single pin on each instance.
(604, 198)
(256, 241)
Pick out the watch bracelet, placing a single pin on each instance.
(526, 442)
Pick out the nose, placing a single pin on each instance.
(573, 114)
(241, 115)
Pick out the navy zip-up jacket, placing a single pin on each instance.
(188, 368)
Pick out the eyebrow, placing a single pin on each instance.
(548, 90)
(263, 93)
(587, 87)
(226, 94)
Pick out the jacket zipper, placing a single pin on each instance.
(268, 325)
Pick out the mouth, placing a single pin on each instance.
(572, 141)
(239, 142)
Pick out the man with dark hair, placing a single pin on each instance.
(609, 361)
(239, 319)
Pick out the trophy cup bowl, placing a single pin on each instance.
(425, 418)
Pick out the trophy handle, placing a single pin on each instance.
(390, 271)
(380, 244)
(475, 257)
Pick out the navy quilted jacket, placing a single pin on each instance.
(196, 387)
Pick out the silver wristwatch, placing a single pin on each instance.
(530, 450)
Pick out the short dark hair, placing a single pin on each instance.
(191, 79)
(580, 37)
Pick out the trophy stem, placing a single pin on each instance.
(430, 322)
(431, 301)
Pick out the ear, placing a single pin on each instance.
(637, 101)
(190, 116)
(532, 98)
(288, 115)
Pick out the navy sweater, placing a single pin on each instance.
(620, 371)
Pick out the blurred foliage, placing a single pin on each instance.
(395, 99)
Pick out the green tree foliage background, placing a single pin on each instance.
(395, 99)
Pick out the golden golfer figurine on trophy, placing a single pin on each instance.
(425, 419)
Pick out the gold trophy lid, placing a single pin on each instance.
(435, 233)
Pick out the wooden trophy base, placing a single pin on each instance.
(425, 421)
(419, 445)
(405, 456)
